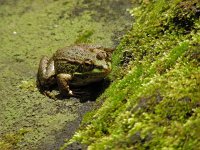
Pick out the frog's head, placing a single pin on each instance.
(94, 68)
(102, 62)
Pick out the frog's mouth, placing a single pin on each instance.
(104, 68)
(85, 78)
(91, 76)
(101, 71)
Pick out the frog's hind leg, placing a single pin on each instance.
(46, 72)
(41, 74)
(46, 76)
(63, 84)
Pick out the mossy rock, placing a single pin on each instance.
(153, 101)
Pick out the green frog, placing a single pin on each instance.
(76, 65)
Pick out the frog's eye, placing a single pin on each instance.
(101, 55)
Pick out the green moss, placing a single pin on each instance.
(153, 102)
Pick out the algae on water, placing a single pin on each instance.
(30, 29)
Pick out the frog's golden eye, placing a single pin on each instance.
(101, 55)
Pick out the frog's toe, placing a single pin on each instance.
(71, 93)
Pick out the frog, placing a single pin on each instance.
(74, 66)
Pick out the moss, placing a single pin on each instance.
(153, 101)
(185, 13)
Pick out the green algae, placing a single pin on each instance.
(153, 102)
(28, 30)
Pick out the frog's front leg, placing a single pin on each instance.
(63, 84)
(46, 72)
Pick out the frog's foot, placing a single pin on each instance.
(63, 84)
(50, 95)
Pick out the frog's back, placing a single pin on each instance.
(69, 59)
(74, 54)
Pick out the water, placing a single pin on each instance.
(30, 29)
